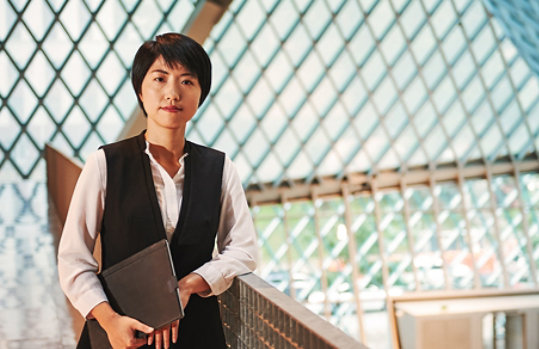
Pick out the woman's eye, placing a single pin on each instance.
(187, 82)
(159, 79)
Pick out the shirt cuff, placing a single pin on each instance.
(88, 300)
(215, 280)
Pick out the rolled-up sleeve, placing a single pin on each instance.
(77, 266)
(237, 250)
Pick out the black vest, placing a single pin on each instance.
(132, 221)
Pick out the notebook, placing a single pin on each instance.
(142, 286)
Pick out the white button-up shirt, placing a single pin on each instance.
(235, 253)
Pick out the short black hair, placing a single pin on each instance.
(174, 48)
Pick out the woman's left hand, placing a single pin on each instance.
(189, 284)
(164, 334)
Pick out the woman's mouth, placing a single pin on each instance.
(171, 109)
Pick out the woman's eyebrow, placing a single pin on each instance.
(161, 71)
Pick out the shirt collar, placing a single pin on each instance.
(147, 151)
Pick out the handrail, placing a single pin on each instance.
(257, 315)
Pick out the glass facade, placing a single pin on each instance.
(308, 91)
(65, 74)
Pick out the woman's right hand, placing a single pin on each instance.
(120, 329)
(121, 332)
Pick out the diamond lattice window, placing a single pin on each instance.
(65, 74)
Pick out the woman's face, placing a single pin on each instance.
(170, 95)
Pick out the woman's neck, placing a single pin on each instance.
(168, 143)
(167, 147)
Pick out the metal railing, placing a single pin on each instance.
(257, 315)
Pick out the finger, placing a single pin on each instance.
(135, 343)
(158, 337)
(175, 327)
(142, 327)
(166, 337)
(150, 338)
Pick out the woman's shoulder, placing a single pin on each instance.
(125, 146)
(198, 149)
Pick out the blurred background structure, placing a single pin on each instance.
(386, 147)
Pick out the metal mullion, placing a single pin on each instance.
(529, 76)
(364, 140)
(471, 245)
(22, 71)
(345, 49)
(83, 88)
(70, 53)
(353, 259)
(34, 165)
(452, 79)
(323, 31)
(218, 87)
(98, 24)
(377, 216)
(503, 141)
(489, 53)
(37, 49)
(371, 93)
(7, 152)
(165, 12)
(284, 202)
(497, 235)
(342, 173)
(161, 22)
(113, 95)
(115, 39)
(19, 20)
(420, 26)
(409, 235)
(26, 201)
(83, 32)
(324, 278)
(399, 92)
(512, 84)
(419, 73)
(268, 249)
(39, 103)
(425, 85)
(229, 24)
(303, 258)
(515, 127)
(309, 91)
(5, 157)
(130, 14)
(301, 141)
(271, 144)
(485, 88)
(354, 30)
(21, 124)
(254, 57)
(436, 209)
(250, 133)
(525, 227)
(306, 100)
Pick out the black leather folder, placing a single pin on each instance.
(142, 286)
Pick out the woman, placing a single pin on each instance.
(158, 185)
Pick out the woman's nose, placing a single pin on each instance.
(172, 92)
